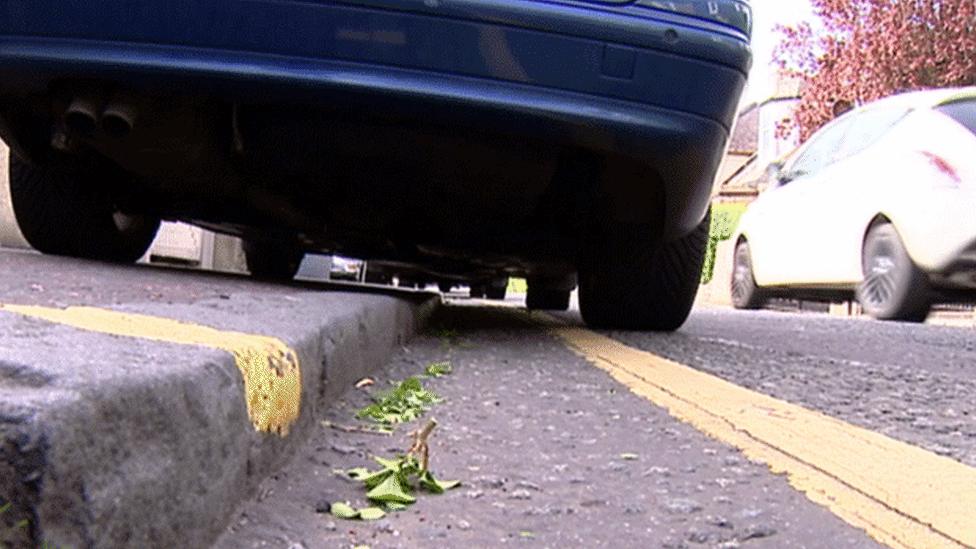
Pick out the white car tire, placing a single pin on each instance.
(745, 293)
(893, 288)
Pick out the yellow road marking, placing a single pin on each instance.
(271, 372)
(901, 495)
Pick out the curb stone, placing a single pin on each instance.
(110, 441)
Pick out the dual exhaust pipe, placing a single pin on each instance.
(86, 113)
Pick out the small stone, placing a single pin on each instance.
(323, 506)
(528, 485)
(718, 521)
(750, 513)
(680, 505)
(724, 482)
(758, 531)
(330, 526)
(343, 449)
(473, 494)
(488, 481)
(634, 509)
(697, 536)
(657, 470)
(593, 503)
(520, 494)
(463, 525)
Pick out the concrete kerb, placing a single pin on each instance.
(112, 441)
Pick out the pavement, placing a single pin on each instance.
(141, 406)
(743, 429)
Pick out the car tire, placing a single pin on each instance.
(631, 280)
(746, 294)
(497, 289)
(893, 288)
(377, 277)
(272, 259)
(546, 299)
(444, 287)
(477, 291)
(69, 212)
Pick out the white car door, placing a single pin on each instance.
(786, 221)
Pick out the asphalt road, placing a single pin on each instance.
(554, 452)
(911, 382)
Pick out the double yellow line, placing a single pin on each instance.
(901, 495)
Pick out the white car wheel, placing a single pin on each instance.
(893, 288)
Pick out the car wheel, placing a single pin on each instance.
(71, 212)
(745, 293)
(272, 259)
(377, 277)
(477, 291)
(407, 283)
(893, 288)
(546, 299)
(444, 287)
(632, 280)
(497, 289)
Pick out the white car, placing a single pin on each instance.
(879, 204)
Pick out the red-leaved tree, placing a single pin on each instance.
(862, 50)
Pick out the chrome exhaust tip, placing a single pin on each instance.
(81, 116)
(118, 119)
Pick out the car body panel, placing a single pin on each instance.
(625, 81)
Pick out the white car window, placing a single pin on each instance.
(821, 150)
(962, 111)
(867, 127)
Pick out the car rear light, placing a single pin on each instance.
(943, 166)
(733, 13)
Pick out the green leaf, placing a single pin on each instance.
(342, 510)
(376, 478)
(389, 464)
(629, 456)
(394, 506)
(357, 473)
(438, 369)
(405, 402)
(448, 484)
(371, 513)
(390, 490)
(431, 484)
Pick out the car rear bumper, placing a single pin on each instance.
(624, 80)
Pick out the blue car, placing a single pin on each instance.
(567, 142)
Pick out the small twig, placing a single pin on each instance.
(419, 445)
(354, 429)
